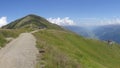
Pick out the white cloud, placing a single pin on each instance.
(3, 21)
(84, 21)
(98, 22)
(61, 21)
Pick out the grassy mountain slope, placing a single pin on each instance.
(31, 21)
(64, 49)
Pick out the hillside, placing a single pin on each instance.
(68, 50)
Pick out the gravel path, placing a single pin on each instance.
(19, 53)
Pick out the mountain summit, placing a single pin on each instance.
(31, 21)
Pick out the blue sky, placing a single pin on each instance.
(74, 9)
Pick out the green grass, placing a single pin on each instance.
(2, 41)
(5, 33)
(12, 33)
(67, 50)
(8, 33)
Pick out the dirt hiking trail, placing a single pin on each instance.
(19, 53)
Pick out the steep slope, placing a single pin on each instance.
(31, 21)
(64, 49)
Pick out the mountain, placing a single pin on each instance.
(65, 49)
(108, 32)
(31, 21)
(83, 31)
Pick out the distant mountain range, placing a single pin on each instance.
(81, 31)
(106, 32)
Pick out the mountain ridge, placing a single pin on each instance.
(31, 21)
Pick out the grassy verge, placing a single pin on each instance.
(9, 33)
(12, 33)
(2, 41)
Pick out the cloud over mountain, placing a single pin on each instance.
(61, 21)
(98, 22)
(3, 21)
